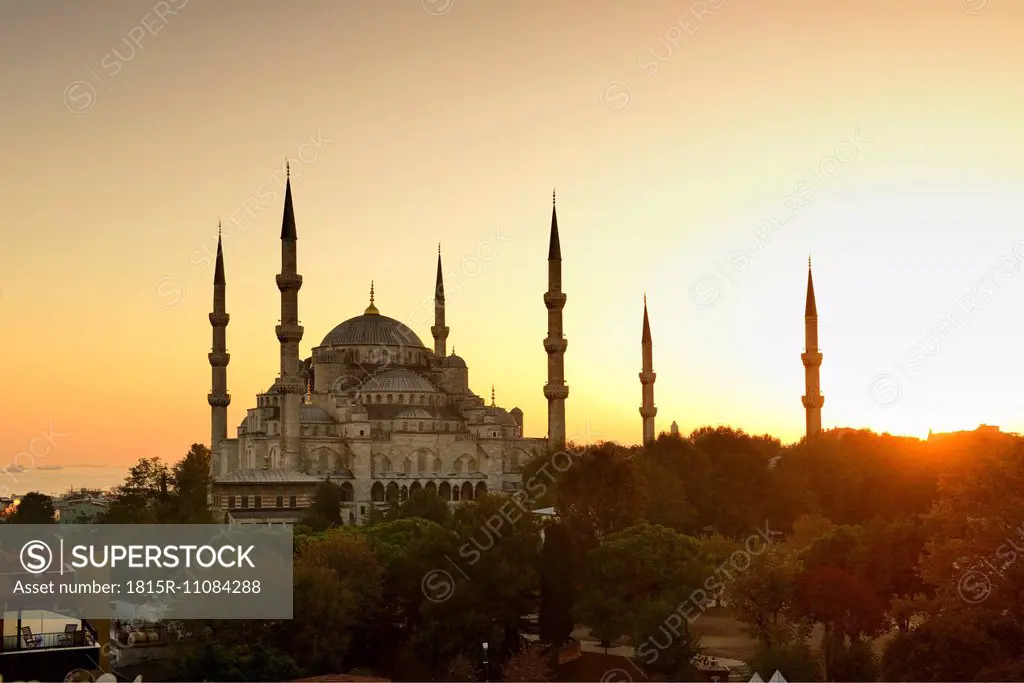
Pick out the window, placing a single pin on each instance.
(257, 501)
(231, 502)
(401, 398)
(421, 426)
(405, 426)
(245, 502)
(389, 398)
(280, 502)
(360, 432)
(291, 501)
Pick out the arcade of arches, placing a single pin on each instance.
(446, 491)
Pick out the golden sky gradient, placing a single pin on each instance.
(881, 137)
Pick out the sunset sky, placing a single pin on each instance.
(883, 138)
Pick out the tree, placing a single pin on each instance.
(846, 608)
(233, 662)
(598, 495)
(33, 508)
(152, 493)
(325, 510)
(633, 569)
(887, 559)
(663, 641)
(764, 599)
(556, 586)
(337, 581)
(527, 665)
(494, 573)
(191, 486)
(421, 503)
(144, 497)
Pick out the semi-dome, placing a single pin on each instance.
(308, 413)
(397, 380)
(372, 329)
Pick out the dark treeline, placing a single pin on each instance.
(901, 555)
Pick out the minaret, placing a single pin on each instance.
(289, 334)
(555, 391)
(647, 377)
(439, 330)
(219, 398)
(811, 357)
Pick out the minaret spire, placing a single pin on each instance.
(647, 377)
(492, 397)
(371, 309)
(219, 398)
(813, 399)
(289, 333)
(555, 391)
(439, 330)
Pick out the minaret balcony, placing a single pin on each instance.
(289, 282)
(219, 360)
(648, 377)
(556, 391)
(811, 358)
(813, 401)
(219, 401)
(553, 346)
(290, 385)
(555, 301)
(289, 333)
(439, 332)
(646, 412)
(219, 319)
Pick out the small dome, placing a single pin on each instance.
(315, 414)
(415, 414)
(372, 329)
(397, 380)
(453, 361)
(515, 411)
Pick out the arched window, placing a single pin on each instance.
(401, 398)
(389, 398)
(378, 398)
(421, 426)
(446, 425)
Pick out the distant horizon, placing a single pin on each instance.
(124, 467)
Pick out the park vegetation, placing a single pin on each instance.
(855, 557)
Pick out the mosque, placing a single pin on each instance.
(382, 415)
(372, 408)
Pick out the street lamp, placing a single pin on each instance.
(487, 669)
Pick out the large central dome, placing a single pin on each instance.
(372, 329)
